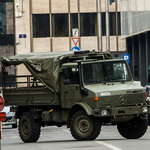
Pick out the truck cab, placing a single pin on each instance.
(102, 85)
(105, 89)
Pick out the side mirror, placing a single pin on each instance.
(66, 75)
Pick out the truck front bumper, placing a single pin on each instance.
(121, 111)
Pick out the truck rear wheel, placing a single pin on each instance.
(29, 129)
(84, 127)
(134, 129)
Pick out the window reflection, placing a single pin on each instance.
(2, 18)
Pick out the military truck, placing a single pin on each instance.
(83, 90)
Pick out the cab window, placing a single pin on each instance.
(72, 75)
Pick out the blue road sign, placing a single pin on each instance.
(126, 57)
(22, 36)
(75, 48)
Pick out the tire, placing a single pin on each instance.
(29, 129)
(84, 127)
(134, 129)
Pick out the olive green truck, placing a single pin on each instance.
(82, 89)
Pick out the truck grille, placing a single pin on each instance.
(120, 100)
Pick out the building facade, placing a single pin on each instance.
(48, 25)
(135, 21)
(7, 32)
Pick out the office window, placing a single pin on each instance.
(41, 25)
(103, 23)
(60, 25)
(2, 18)
(88, 23)
(6, 39)
(73, 21)
(119, 23)
(112, 23)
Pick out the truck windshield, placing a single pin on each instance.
(101, 72)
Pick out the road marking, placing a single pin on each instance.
(99, 142)
(66, 130)
(108, 145)
(11, 137)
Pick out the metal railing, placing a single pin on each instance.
(20, 81)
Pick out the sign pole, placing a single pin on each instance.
(2, 116)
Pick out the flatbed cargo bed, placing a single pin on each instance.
(35, 96)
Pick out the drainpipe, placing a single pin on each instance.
(99, 25)
(107, 26)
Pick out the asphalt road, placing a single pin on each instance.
(54, 138)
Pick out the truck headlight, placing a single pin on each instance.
(144, 109)
(148, 100)
(104, 112)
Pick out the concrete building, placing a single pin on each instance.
(7, 32)
(48, 25)
(135, 21)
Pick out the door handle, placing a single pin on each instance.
(66, 92)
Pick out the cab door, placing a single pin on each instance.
(70, 92)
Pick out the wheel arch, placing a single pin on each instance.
(76, 107)
(22, 109)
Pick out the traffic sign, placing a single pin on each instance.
(75, 32)
(75, 48)
(75, 40)
(126, 57)
(22, 36)
(2, 102)
(2, 116)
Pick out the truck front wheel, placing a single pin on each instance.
(29, 129)
(84, 127)
(133, 129)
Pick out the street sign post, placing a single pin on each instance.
(22, 36)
